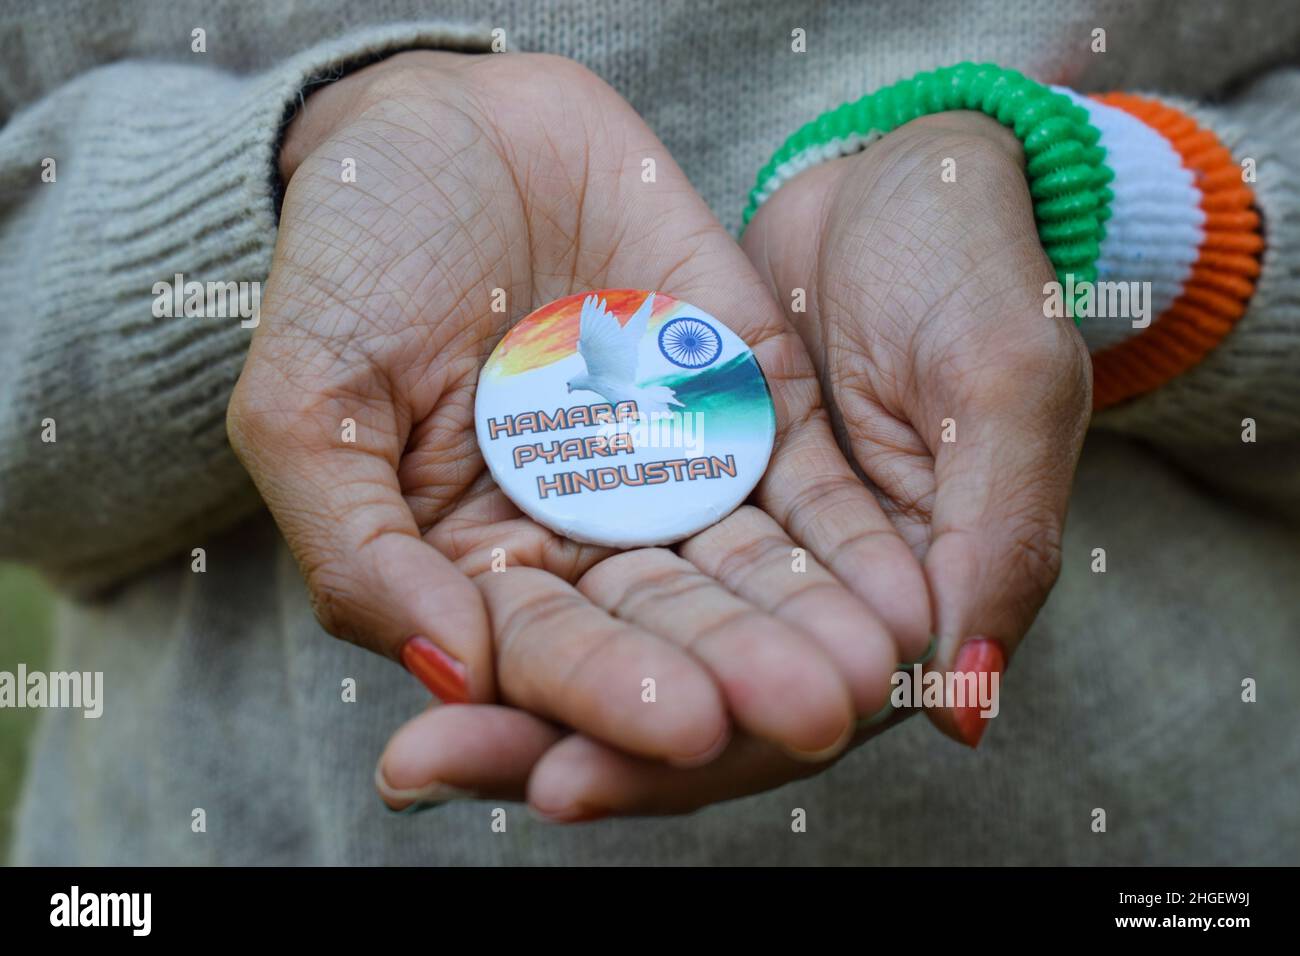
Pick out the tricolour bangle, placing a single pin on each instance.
(1064, 163)
(1183, 224)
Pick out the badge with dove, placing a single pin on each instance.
(624, 417)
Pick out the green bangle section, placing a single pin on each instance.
(1064, 163)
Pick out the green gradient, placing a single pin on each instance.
(733, 396)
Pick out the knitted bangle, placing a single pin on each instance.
(1064, 164)
(1183, 224)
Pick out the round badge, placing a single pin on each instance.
(624, 418)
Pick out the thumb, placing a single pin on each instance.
(373, 580)
(1006, 438)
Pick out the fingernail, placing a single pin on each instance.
(417, 799)
(419, 806)
(982, 655)
(924, 658)
(820, 756)
(708, 756)
(436, 670)
(575, 813)
(879, 717)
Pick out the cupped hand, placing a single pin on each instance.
(960, 401)
(523, 176)
(923, 312)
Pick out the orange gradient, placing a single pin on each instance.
(551, 333)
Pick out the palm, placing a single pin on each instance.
(909, 323)
(380, 310)
(913, 315)
(960, 402)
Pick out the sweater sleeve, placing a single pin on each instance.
(128, 181)
(1175, 233)
(1206, 209)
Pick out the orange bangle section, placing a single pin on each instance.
(1214, 296)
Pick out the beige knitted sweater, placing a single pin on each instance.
(222, 693)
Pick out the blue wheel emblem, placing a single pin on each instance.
(690, 342)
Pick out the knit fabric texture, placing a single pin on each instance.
(1185, 221)
(1141, 211)
(222, 693)
(1064, 164)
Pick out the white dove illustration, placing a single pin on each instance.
(610, 353)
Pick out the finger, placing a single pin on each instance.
(580, 779)
(471, 752)
(751, 554)
(813, 492)
(1002, 485)
(778, 685)
(340, 508)
(486, 531)
(682, 250)
(810, 488)
(562, 658)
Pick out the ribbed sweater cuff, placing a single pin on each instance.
(1248, 378)
(163, 169)
(1156, 229)
(1183, 242)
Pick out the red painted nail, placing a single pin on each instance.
(982, 655)
(436, 670)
